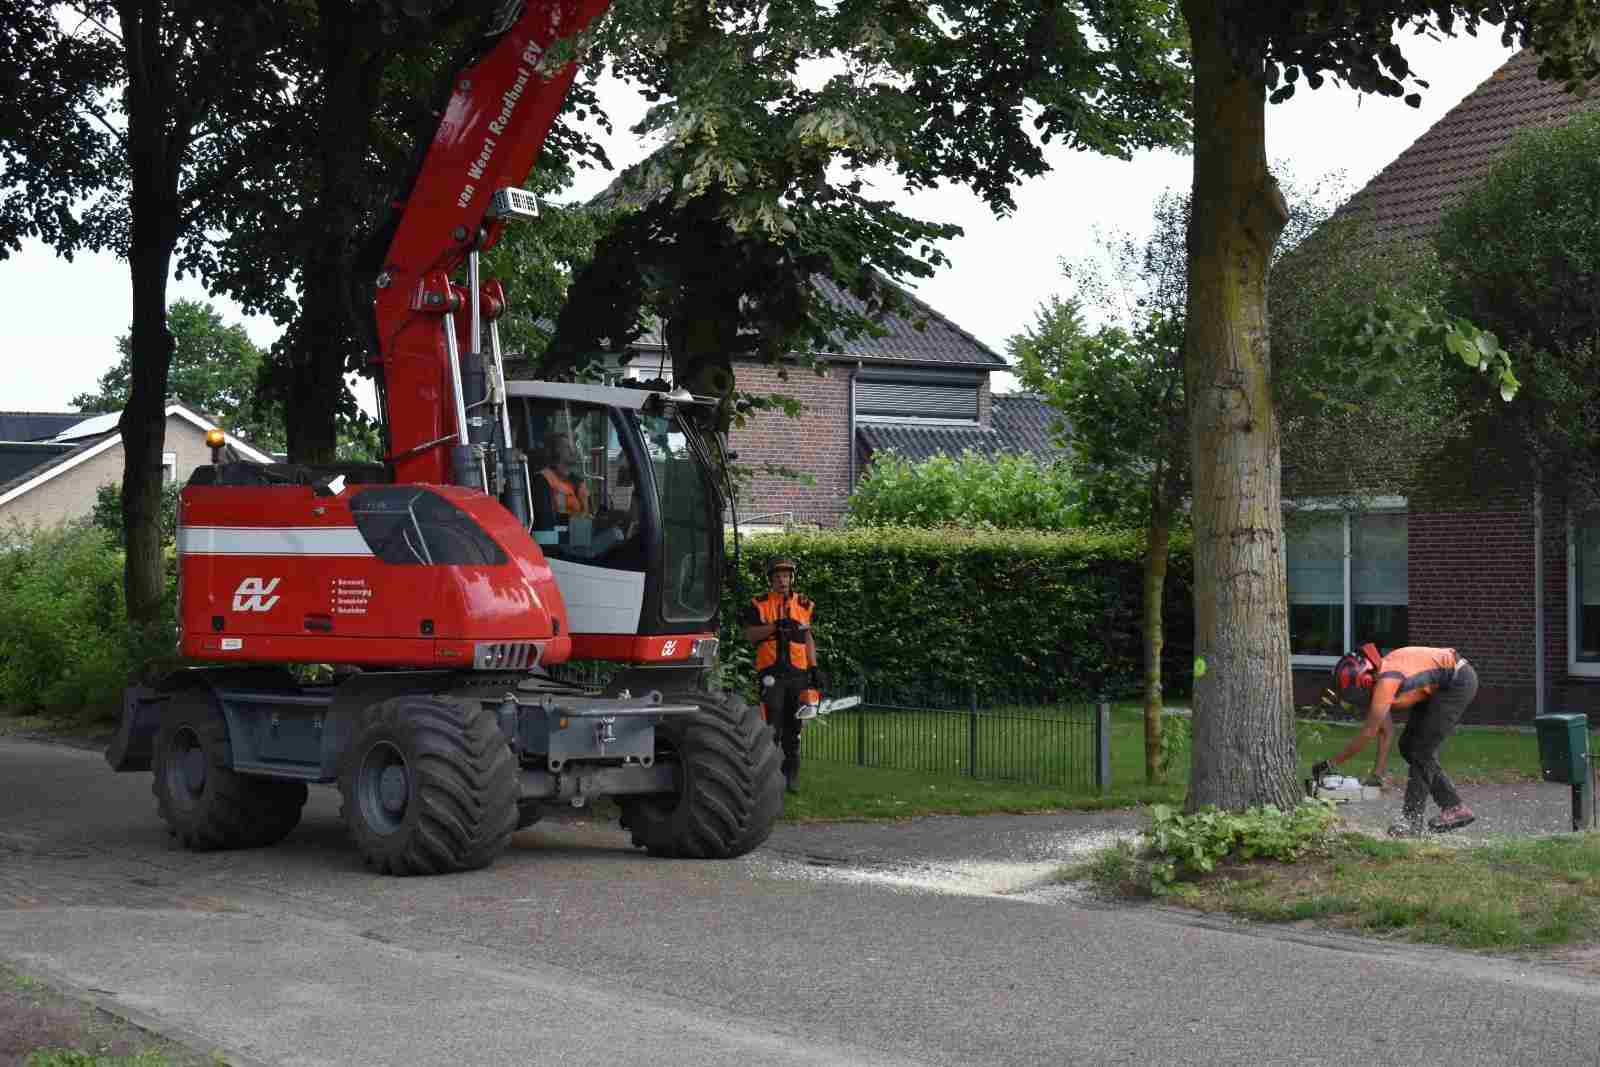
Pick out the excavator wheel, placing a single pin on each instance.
(730, 783)
(429, 786)
(205, 803)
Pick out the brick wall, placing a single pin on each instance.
(1472, 579)
(818, 443)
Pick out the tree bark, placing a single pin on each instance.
(1244, 749)
(153, 210)
(1155, 583)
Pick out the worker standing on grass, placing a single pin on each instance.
(1436, 685)
(779, 625)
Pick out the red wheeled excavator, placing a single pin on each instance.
(515, 526)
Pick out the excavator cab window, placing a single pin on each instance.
(587, 505)
(689, 520)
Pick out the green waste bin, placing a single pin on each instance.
(1563, 747)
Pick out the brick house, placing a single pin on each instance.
(52, 463)
(921, 389)
(1507, 577)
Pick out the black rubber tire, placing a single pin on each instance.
(453, 804)
(205, 804)
(730, 782)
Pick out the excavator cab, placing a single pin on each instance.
(626, 508)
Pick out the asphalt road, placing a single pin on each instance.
(924, 942)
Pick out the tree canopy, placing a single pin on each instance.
(776, 119)
(141, 114)
(214, 369)
(1520, 254)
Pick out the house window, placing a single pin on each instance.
(1583, 595)
(169, 468)
(1347, 579)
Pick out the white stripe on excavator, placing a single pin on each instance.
(271, 541)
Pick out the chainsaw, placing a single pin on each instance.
(819, 708)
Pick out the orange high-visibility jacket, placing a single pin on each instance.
(568, 498)
(770, 608)
(1410, 675)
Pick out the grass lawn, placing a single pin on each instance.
(1474, 754)
(836, 788)
(1513, 895)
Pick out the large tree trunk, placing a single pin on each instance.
(1155, 583)
(153, 209)
(326, 334)
(1244, 751)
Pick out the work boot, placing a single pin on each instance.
(1451, 819)
(791, 774)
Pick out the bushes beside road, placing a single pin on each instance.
(65, 643)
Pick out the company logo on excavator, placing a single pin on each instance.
(255, 594)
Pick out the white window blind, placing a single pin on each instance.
(1315, 559)
(917, 400)
(1378, 570)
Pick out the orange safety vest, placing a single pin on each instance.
(794, 655)
(1408, 676)
(568, 499)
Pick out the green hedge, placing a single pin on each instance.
(65, 642)
(932, 611)
(943, 610)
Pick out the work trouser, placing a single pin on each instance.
(782, 701)
(1427, 727)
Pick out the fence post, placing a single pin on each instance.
(972, 731)
(1102, 746)
(861, 725)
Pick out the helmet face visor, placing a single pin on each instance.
(1352, 679)
(1357, 695)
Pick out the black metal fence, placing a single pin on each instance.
(1038, 738)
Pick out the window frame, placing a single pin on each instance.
(1383, 505)
(1574, 668)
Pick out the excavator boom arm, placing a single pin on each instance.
(499, 113)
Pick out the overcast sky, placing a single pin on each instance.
(62, 319)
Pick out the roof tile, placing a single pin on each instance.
(1406, 199)
(36, 425)
(1020, 424)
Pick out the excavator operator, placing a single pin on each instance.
(779, 625)
(560, 488)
